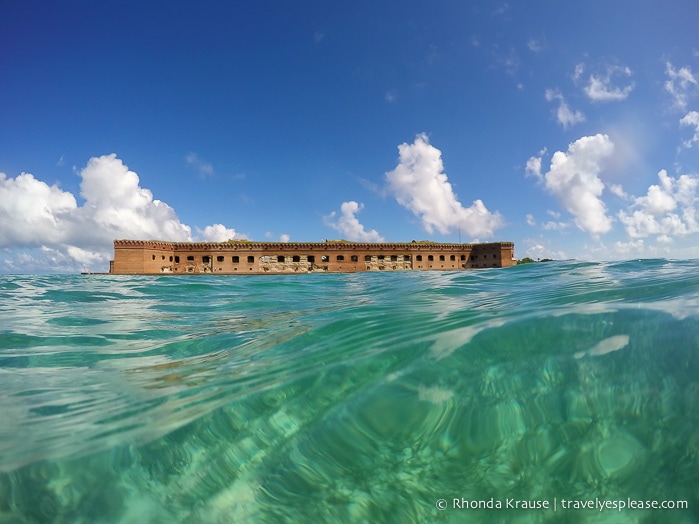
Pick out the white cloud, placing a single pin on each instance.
(667, 209)
(538, 248)
(49, 222)
(564, 114)
(533, 167)
(420, 185)
(83, 256)
(38, 260)
(617, 190)
(659, 199)
(554, 226)
(550, 225)
(349, 226)
(630, 248)
(217, 233)
(203, 168)
(573, 179)
(691, 119)
(681, 85)
(600, 89)
(282, 238)
(118, 207)
(33, 213)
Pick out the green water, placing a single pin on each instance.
(352, 398)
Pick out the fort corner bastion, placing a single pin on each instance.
(236, 257)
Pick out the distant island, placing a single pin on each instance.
(153, 257)
(527, 260)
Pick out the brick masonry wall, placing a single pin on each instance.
(128, 260)
(150, 257)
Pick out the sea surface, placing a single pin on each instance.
(373, 397)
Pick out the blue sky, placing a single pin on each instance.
(571, 129)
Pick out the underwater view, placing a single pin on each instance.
(547, 392)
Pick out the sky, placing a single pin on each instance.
(568, 128)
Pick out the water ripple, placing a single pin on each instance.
(365, 397)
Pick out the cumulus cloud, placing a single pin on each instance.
(599, 87)
(348, 224)
(691, 119)
(681, 85)
(49, 222)
(420, 185)
(218, 233)
(564, 114)
(667, 210)
(33, 213)
(116, 206)
(573, 179)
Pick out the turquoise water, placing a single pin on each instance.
(351, 398)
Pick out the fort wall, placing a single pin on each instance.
(243, 257)
(496, 254)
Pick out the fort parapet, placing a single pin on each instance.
(148, 257)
